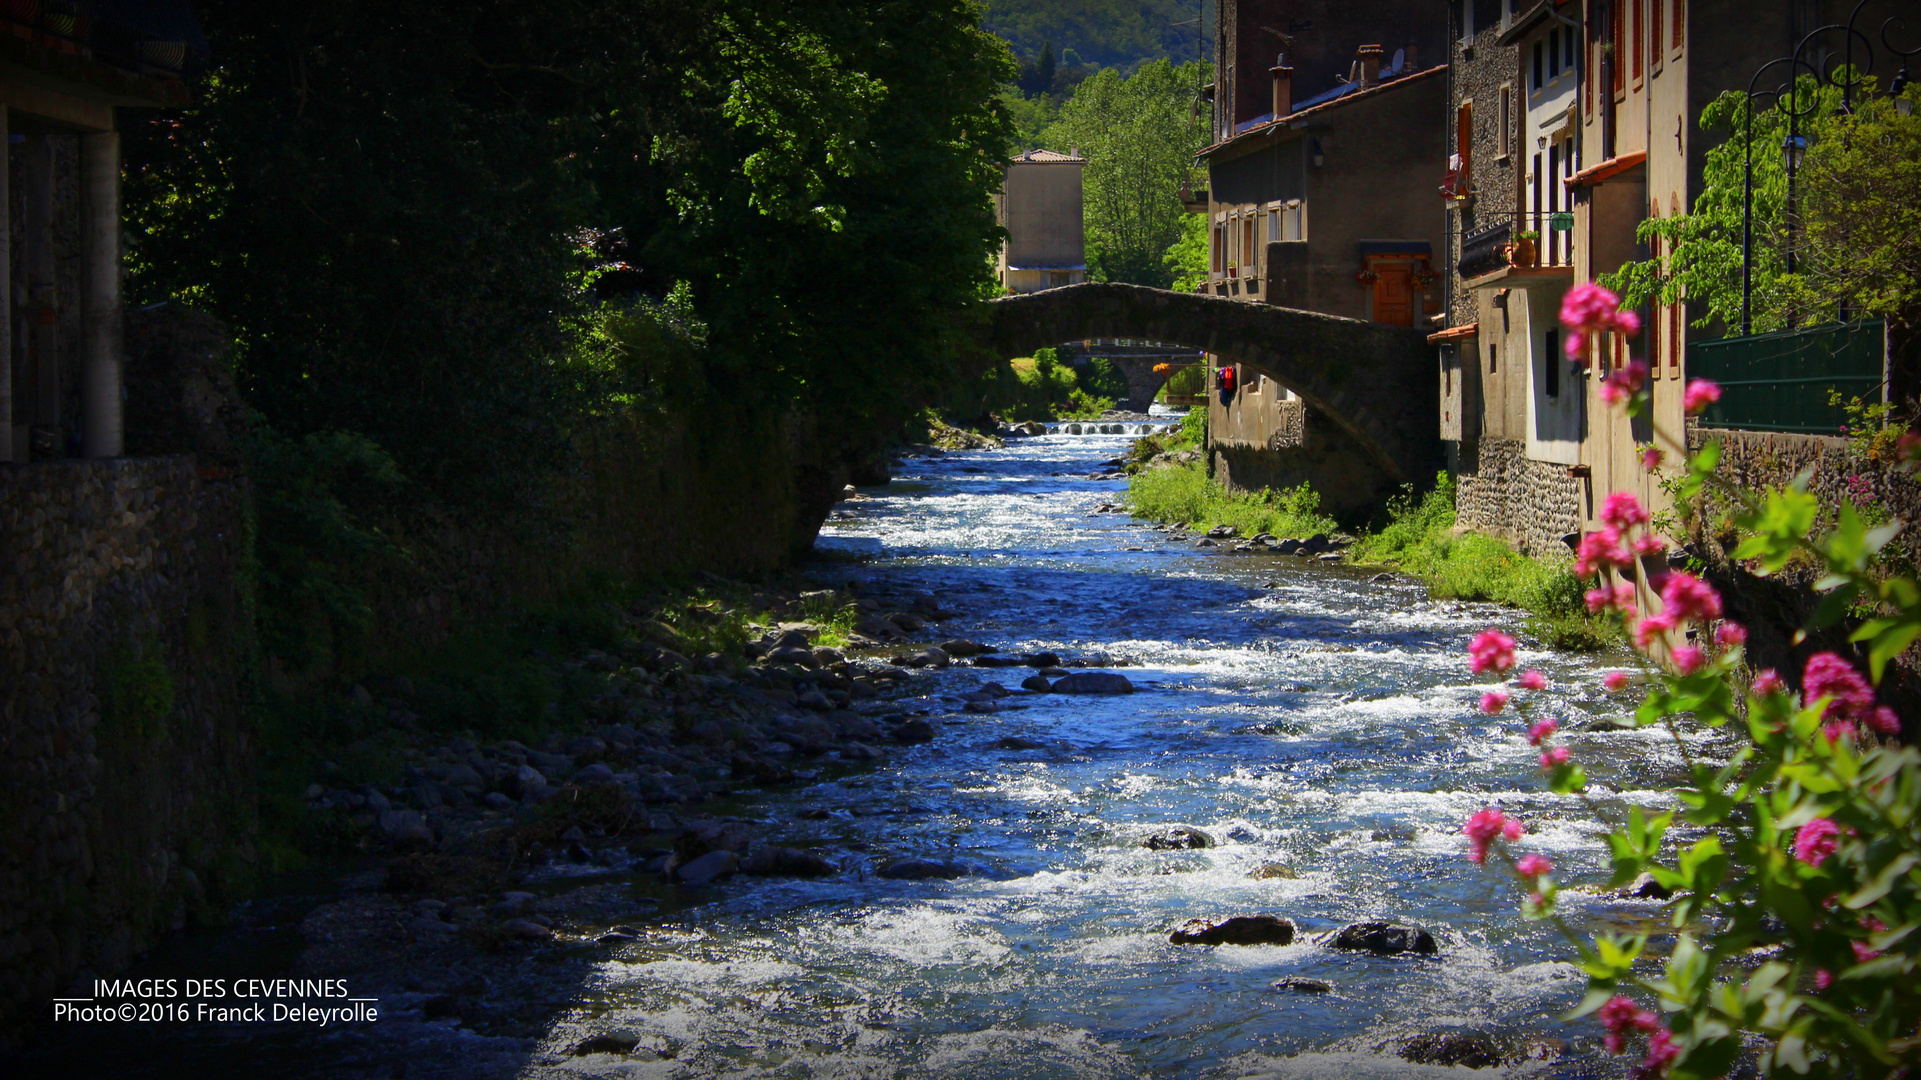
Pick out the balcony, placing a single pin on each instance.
(1496, 253)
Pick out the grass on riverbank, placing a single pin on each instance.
(1185, 494)
(1419, 538)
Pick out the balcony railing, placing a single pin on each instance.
(1493, 243)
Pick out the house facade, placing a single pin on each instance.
(1323, 114)
(1573, 122)
(1040, 207)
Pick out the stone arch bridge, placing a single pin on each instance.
(1377, 384)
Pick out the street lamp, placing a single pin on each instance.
(1793, 149)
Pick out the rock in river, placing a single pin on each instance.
(1452, 1048)
(1094, 682)
(921, 870)
(1383, 939)
(1178, 838)
(1015, 742)
(709, 867)
(787, 862)
(1037, 683)
(1298, 985)
(914, 731)
(1239, 930)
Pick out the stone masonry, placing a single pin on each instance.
(1501, 492)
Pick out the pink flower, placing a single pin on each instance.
(1493, 702)
(1829, 676)
(1688, 659)
(1884, 720)
(1908, 447)
(1662, 1050)
(1622, 510)
(1815, 841)
(1699, 395)
(1487, 826)
(1491, 650)
(1588, 307)
(1600, 550)
(1533, 865)
(1626, 323)
(1615, 681)
(1531, 680)
(1649, 545)
(1599, 600)
(1554, 758)
(1651, 458)
(1650, 629)
(1626, 381)
(1823, 978)
(1730, 634)
(1768, 682)
(1688, 598)
(1542, 730)
(1863, 952)
(1620, 1016)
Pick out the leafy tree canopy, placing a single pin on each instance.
(1106, 33)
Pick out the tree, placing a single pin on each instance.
(1139, 135)
(1187, 260)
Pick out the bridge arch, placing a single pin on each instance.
(1375, 382)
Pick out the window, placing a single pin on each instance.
(1464, 141)
(1537, 224)
(1219, 242)
(1567, 49)
(1273, 226)
(1680, 24)
(1464, 18)
(1540, 66)
(1553, 55)
(1501, 134)
(1493, 358)
(1617, 20)
(1655, 252)
(1655, 52)
(1636, 13)
(1553, 238)
(1292, 221)
(1551, 383)
(1247, 233)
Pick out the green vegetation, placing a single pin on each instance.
(1419, 538)
(1139, 135)
(1184, 494)
(1108, 33)
(1041, 387)
(140, 692)
(1188, 259)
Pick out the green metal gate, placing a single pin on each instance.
(1781, 381)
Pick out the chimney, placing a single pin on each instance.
(1370, 59)
(1283, 90)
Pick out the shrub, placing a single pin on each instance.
(1184, 494)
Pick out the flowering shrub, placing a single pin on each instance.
(1797, 900)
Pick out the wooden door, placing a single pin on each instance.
(1394, 293)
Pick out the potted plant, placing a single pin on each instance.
(1526, 248)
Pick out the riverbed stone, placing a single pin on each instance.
(961, 647)
(1016, 742)
(787, 862)
(1295, 984)
(914, 731)
(1273, 871)
(1042, 660)
(1038, 684)
(921, 870)
(1383, 939)
(527, 930)
(1236, 930)
(708, 868)
(1093, 682)
(1178, 838)
(1452, 1048)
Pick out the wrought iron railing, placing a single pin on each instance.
(1486, 248)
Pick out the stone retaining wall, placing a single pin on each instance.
(125, 766)
(1500, 491)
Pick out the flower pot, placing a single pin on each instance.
(1523, 253)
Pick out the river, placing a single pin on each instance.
(1301, 714)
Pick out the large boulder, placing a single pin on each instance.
(913, 732)
(1383, 939)
(961, 647)
(787, 862)
(1093, 682)
(708, 868)
(1178, 838)
(1238, 930)
(921, 870)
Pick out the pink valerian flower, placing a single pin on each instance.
(1588, 308)
(1542, 730)
(1650, 629)
(1533, 865)
(1493, 702)
(1816, 840)
(1907, 448)
(1884, 720)
(1622, 510)
(1624, 382)
(1699, 395)
(1531, 680)
(1620, 1016)
(1491, 650)
(1615, 681)
(1688, 598)
(1766, 683)
(1649, 545)
(1651, 458)
(1730, 635)
(1554, 758)
(1688, 659)
(1823, 978)
(1662, 1050)
(1487, 826)
(1619, 598)
(1600, 550)
(1830, 676)
(1863, 952)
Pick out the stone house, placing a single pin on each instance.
(1574, 121)
(1040, 207)
(1323, 115)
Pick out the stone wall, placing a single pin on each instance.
(1500, 491)
(125, 767)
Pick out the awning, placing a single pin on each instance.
(1607, 170)
(1454, 333)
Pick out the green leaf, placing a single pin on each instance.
(1880, 885)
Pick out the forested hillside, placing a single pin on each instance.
(1107, 33)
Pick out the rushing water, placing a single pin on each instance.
(1302, 714)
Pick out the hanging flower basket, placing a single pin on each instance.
(1366, 278)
